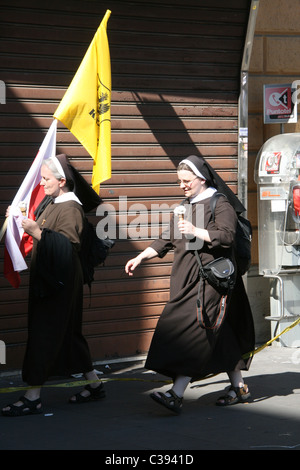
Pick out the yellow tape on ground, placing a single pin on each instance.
(250, 354)
(80, 383)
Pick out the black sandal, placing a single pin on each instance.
(174, 402)
(95, 394)
(242, 394)
(29, 407)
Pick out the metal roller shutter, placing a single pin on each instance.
(176, 80)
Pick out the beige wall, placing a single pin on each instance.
(275, 59)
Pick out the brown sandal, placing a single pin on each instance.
(174, 402)
(242, 394)
(28, 407)
(94, 394)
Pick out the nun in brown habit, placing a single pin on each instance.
(56, 346)
(181, 348)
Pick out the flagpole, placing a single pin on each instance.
(3, 228)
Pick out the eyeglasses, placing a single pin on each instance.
(185, 182)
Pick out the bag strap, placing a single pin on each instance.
(202, 273)
(218, 322)
(213, 203)
(200, 305)
(220, 318)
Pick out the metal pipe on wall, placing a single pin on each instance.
(243, 107)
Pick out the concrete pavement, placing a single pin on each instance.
(128, 420)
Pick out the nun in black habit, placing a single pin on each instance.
(55, 345)
(180, 347)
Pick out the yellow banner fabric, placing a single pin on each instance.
(85, 107)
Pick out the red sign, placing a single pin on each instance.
(273, 163)
(278, 104)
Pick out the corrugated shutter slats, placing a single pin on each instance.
(175, 78)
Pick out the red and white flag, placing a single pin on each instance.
(18, 243)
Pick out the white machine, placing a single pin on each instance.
(277, 174)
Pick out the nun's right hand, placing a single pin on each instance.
(131, 265)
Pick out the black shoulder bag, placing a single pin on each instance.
(219, 273)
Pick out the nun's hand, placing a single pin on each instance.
(131, 265)
(190, 231)
(32, 228)
(187, 228)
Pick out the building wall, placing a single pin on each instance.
(275, 59)
(175, 80)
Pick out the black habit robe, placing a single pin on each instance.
(56, 346)
(179, 345)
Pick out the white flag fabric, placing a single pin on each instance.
(30, 195)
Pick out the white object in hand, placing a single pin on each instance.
(180, 211)
(23, 208)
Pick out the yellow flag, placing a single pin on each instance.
(85, 107)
